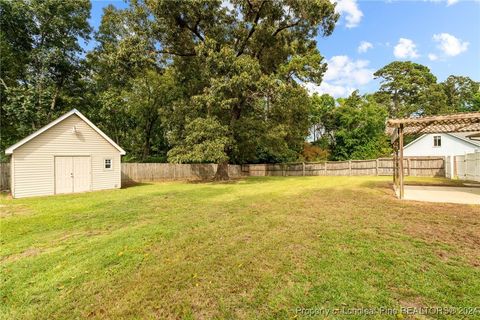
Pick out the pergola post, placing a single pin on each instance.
(397, 128)
(395, 165)
(400, 169)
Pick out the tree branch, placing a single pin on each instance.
(4, 84)
(195, 30)
(252, 30)
(286, 27)
(279, 29)
(183, 24)
(180, 54)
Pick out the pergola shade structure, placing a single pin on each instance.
(398, 128)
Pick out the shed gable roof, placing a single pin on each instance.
(10, 149)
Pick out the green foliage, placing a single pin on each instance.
(205, 141)
(352, 130)
(476, 102)
(196, 81)
(359, 134)
(41, 62)
(409, 88)
(241, 67)
(405, 88)
(322, 118)
(461, 93)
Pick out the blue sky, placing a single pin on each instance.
(443, 35)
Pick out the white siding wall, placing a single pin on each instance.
(33, 162)
(450, 146)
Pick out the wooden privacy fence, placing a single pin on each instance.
(143, 172)
(413, 166)
(4, 176)
(466, 167)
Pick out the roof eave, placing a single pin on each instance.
(12, 148)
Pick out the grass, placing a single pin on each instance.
(255, 248)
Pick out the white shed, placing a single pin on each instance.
(68, 155)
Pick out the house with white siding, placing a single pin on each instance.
(443, 144)
(66, 156)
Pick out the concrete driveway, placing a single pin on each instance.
(465, 195)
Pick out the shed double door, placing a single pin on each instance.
(72, 174)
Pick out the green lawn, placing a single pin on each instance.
(254, 248)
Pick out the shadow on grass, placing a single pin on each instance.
(135, 184)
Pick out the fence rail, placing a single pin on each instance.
(413, 166)
(144, 172)
(147, 172)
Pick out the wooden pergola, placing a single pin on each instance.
(398, 128)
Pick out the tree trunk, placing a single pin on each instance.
(222, 172)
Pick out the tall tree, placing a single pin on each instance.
(240, 65)
(460, 92)
(323, 118)
(149, 101)
(41, 69)
(134, 91)
(360, 129)
(409, 88)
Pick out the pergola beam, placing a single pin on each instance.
(397, 128)
(452, 117)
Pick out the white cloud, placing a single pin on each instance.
(343, 76)
(364, 46)
(405, 49)
(450, 45)
(449, 2)
(333, 90)
(350, 9)
(432, 57)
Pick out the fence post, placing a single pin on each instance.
(303, 169)
(349, 167)
(376, 167)
(326, 162)
(408, 167)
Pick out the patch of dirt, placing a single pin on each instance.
(89, 233)
(412, 302)
(455, 225)
(13, 210)
(30, 252)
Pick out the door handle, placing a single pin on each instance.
(71, 175)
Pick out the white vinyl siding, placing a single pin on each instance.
(34, 162)
(449, 146)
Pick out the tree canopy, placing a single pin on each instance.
(203, 81)
(41, 65)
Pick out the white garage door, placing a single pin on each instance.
(72, 174)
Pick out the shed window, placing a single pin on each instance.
(437, 141)
(108, 164)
